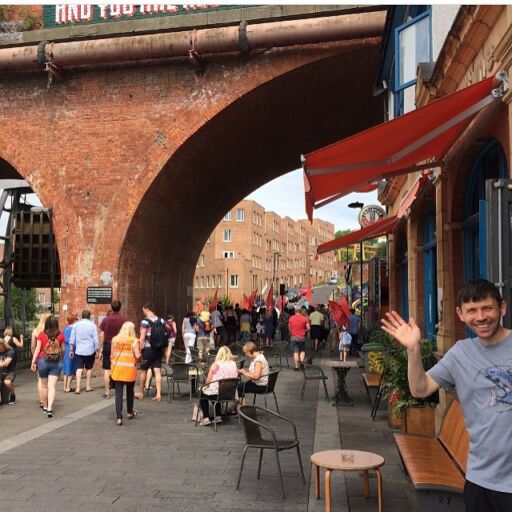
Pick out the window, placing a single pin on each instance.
(227, 235)
(227, 217)
(233, 281)
(240, 214)
(213, 281)
(207, 281)
(228, 254)
(40, 297)
(197, 282)
(202, 281)
(201, 260)
(219, 280)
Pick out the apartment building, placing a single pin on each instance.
(252, 248)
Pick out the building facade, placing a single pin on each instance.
(252, 248)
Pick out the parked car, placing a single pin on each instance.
(333, 280)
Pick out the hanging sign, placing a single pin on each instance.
(370, 214)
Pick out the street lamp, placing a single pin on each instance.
(355, 205)
(40, 209)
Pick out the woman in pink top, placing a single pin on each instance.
(224, 367)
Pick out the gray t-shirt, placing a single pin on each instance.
(483, 378)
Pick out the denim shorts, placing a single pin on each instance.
(45, 368)
(299, 344)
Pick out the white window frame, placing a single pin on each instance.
(227, 217)
(228, 255)
(233, 281)
(240, 218)
(228, 238)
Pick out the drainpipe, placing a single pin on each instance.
(193, 43)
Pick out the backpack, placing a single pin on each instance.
(158, 337)
(53, 352)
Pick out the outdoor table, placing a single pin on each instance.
(347, 460)
(340, 369)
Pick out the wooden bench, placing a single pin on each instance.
(437, 466)
(371, 384)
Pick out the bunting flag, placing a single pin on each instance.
(199, 305)
(308, 293)
(337, 313)
(214, 303)
(270, 297)
(245, 302)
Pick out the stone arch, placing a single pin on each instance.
(255, 139)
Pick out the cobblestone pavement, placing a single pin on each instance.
(80, 460)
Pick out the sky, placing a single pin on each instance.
(291, 203)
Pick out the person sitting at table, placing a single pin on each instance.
(224, 367)
(257, 374)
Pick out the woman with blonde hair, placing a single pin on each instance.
(224, 367)
(33, 342)
(124, 355)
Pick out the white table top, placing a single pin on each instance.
(341, 364)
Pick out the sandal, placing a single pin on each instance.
(89, 390)
(119, 423)
(132, 414)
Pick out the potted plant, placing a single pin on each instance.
(414, 415)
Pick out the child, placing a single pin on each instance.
(260, 330)
(345, 341)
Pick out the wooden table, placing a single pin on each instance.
(347, 460)
(340, 370)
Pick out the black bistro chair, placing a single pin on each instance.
(226, 395)
(269, 389)
(312, 372)
(181, 373)
(253, 428)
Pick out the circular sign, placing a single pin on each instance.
(370, 215)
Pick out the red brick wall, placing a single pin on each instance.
(140, 163)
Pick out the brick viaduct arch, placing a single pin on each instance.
(140, 163)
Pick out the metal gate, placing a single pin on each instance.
(499, 237)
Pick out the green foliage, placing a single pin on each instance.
(382, 250)
(56, 297)
(342, 232)
(396, 385)
(4, 9)
(225, 302)
(30, 303)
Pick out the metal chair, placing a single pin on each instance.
(194, 354)
(240, 362)
(269, 389)
(180, 372)
(248, 415)
(178, 356)
(378, 398)
(312, 372)
(226, 395)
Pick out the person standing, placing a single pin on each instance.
(171, 333)
(68, 363)
(109, 327)
(203, 329)
(299, 327)
(124, 354)
(284, 330)
(15, 344)
(49, 344)
(151, 353)
(84, 346)
(218, 325)
(268, 322)
(8, 369)
(230, 325)
(188, 332)
(316, 320)
(354, 325)
(480, 369)
(33, 342)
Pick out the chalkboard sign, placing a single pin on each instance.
(99, 295)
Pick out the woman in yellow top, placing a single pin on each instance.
(124, 354)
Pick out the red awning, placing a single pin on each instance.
(417, 140)
(382, 227)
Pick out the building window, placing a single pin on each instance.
(201, 260)
(207, 281)
(202, 281)
(40, 297)
(227, 216)
(197, 282)
(219, 280)
(228, 254)
(233, 281)
(240, 214)
(227, 235)
(213, 281)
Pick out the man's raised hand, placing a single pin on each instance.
(408, 334)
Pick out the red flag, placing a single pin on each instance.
(199, 306)
(252, 298)
(337, 313)
(214, 303)
(345, 307)
(245, 302)
(308, 293)
(270, 297)
(280, 300)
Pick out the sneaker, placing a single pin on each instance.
(12, 399)
(205, 421)
(106, 396)
(45, 410)
(49, 413)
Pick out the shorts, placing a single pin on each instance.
(172, 341)
(151, 358)
(203, 343)
(316, 332)
(299, 344)
(86, 362)
(46, 368)
(105, 363)
(9, 376)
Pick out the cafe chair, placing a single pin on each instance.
(253, 430)
(312, 372)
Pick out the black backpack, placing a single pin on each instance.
(158, 337)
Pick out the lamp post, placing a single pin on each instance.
(39, 209)
(360, 205)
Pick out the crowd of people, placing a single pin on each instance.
(122, 354)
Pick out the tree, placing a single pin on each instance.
(30, 303)
(382, 250)
(342, 232)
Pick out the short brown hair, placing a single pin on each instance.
(250, 347)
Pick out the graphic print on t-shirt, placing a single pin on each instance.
(501, 393)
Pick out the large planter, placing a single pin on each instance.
(419, 420)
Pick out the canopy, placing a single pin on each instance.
(381, 227)
(417, 140)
